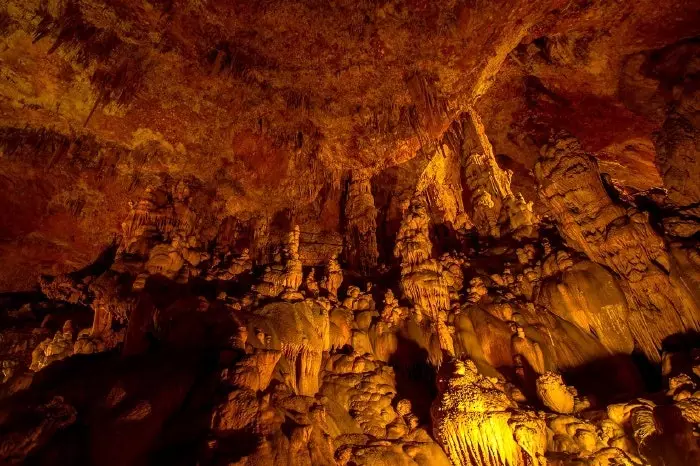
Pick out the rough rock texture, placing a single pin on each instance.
(387, 232)
(493, 205)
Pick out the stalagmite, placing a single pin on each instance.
(529, 350)
(422, 277)
(360, 224)
(322, 233)
(301, 331)
(554, 394)
(476, 424)
(333, 278)
(285, 276)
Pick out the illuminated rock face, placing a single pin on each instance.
(477, 424)
(619, 238)
(489, 185)
(338, 370)
(554, 394)
(292, 232)
(495, 209)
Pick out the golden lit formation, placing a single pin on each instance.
(350, 233)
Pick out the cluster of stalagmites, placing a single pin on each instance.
(313, 361)
(479, 421)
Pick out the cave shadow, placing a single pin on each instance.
(683, 352)
(189, 380)
(100, 265)
(415, 377)
(619, 377)
(680, 342)
(674, 442)
(613, 378)
(444, 239)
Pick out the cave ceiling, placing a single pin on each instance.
(268, 105)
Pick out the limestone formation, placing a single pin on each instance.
(529, 350)
(310, 284)
(554, 394)
(493, 205)
(231, 267)
(301, 331)
(53, 349)
(618, 238)
(321, 233)
(62, 288)
(333, 278)
(360, 224)
(474, 421)
(287, 275)
(422, 277)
